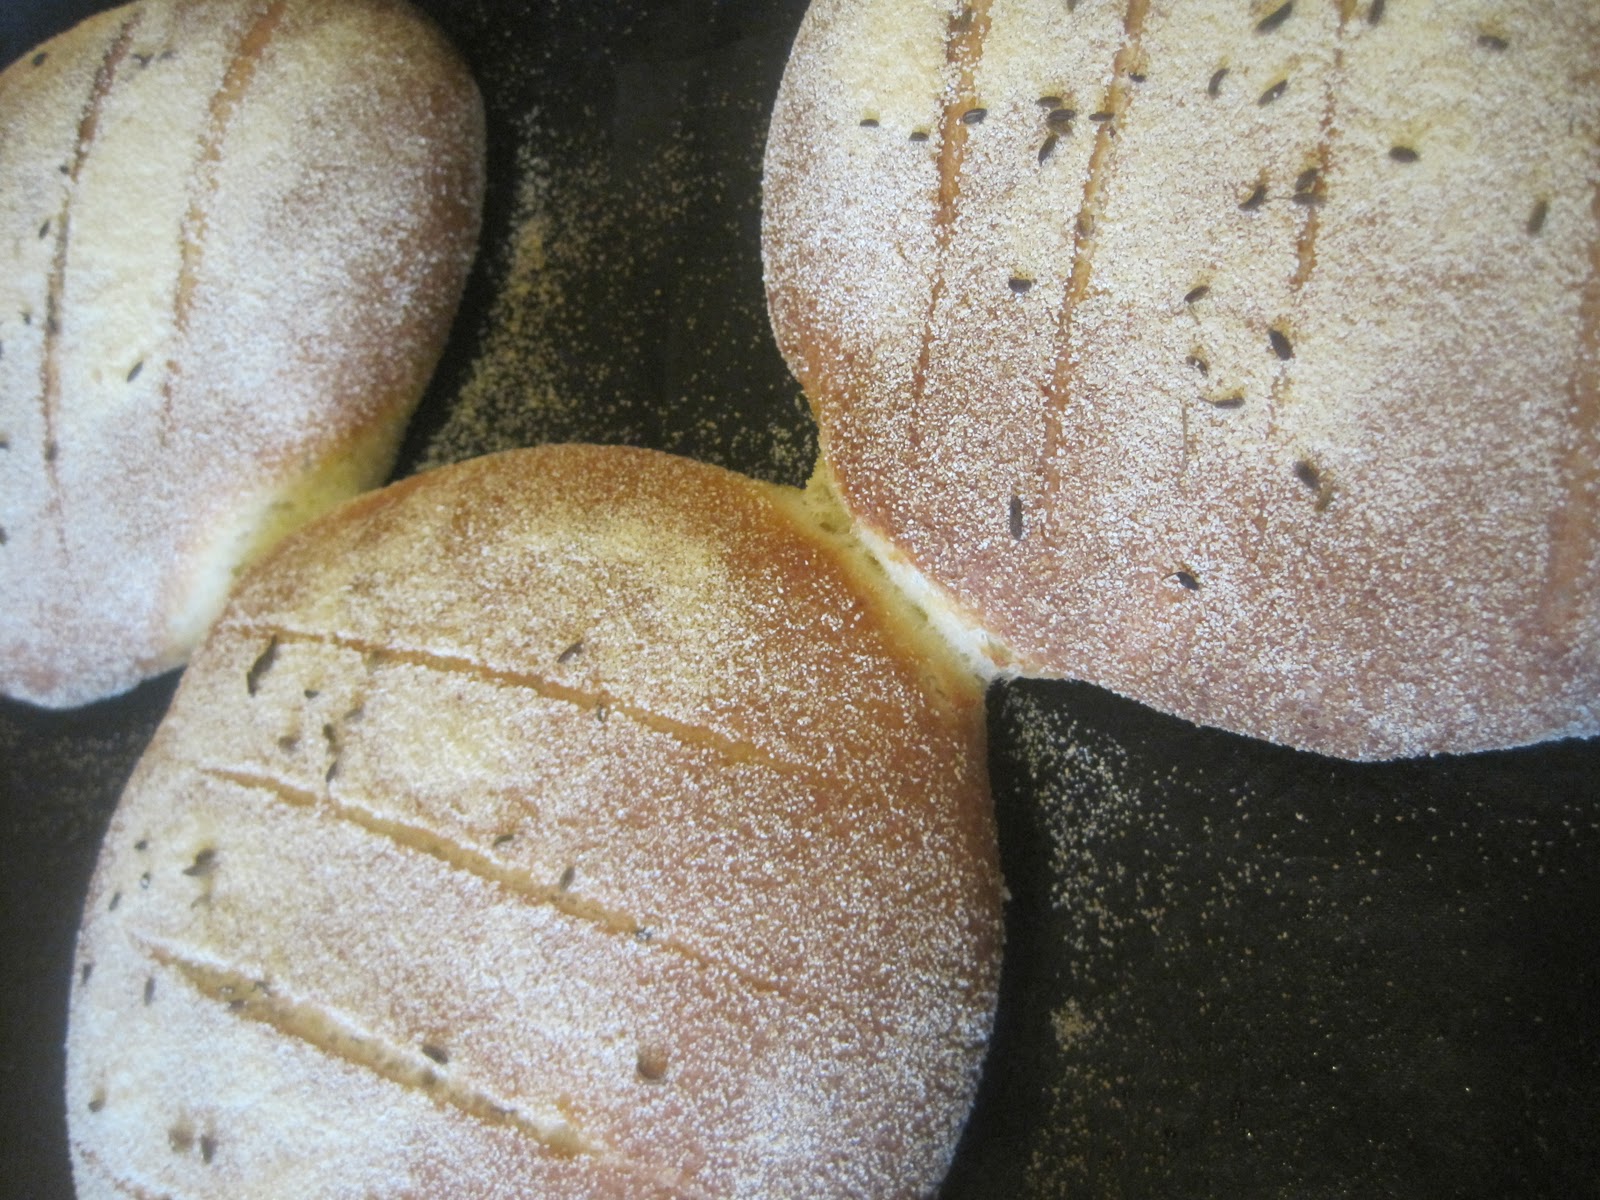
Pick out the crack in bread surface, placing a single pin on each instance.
(731, 750)
(516, 880)
(1311, 224)
(50, 398)
(225, 102)
(1102, 162)
(967, 33)
(251, 999)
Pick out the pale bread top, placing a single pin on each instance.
(232, 237)
(1241, 358)
(571, 822)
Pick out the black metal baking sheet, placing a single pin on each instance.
(1233, 970)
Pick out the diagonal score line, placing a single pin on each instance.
(1102, 159)
(253, 999)
(964, 42)
(732, 750)
(1305, 249)
(105, 78)
(225, 102)
(516, 880)
(249, 998)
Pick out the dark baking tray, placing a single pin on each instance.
(1233, 970)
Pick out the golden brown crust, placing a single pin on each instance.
(1241, 359)
(570, 822)
(235, 232)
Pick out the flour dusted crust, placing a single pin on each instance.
(574, 823)
(232, 237)
(1239, 357)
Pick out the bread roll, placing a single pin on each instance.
(232, 236)
(1240, 358)
(576, 822)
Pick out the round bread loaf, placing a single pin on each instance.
(1238, 357)
(576, 822)
(233, 234)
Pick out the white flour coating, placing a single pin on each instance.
(1244, 366)
(573, 822)
(233, 238)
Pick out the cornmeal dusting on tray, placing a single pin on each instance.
(1234, 960)
(628, 305)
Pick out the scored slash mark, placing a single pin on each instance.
(515, 880)
(964, 42)
(310, 1023)
(730, 749)
(1125, 63)
(50, 362)
(225, 102)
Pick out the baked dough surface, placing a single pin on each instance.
(575, 823)
(232, 238)
(1241, 358)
